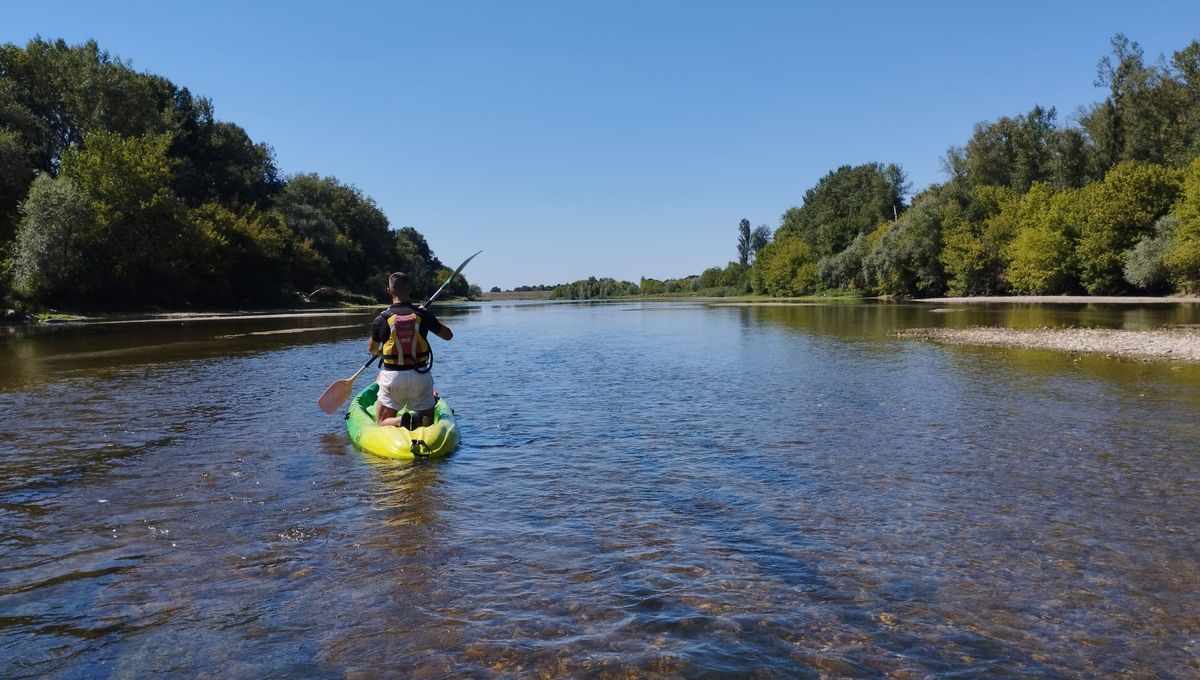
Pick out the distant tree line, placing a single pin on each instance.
(121, 189)
(1109, 205)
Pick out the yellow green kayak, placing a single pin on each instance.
(388, 441)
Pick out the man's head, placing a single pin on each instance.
(399, 286)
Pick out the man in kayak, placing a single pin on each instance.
(401, 333)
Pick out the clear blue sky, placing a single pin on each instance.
(609, 138)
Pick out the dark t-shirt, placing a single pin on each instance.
(380, 331)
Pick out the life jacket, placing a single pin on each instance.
(406, 348)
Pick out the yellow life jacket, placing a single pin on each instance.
(405, 348)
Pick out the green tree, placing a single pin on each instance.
(734, 276)
(744, 242)
(415, 257)
(16, 174)
(786, 267)
(844, 271)
(759, 238)
(347, 228)
(1182, 259)
(904, 258)
(1152, 112)
(144, 240)
(711, 277)
(845, 203)
(255, 257)
(973, 241)
(1041, 257)
(1012, 152)
(1145, 265)
(53, 243)
(1122, 210)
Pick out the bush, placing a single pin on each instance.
(844, 271)
(50, 254)
(784, 268)
(904, 260)
(1145, 267)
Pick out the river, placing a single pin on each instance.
(643, 490)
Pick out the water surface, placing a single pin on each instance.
(661, 489)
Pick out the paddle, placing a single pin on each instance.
(337, 393)
(447, 283)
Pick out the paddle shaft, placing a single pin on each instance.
(447, 283)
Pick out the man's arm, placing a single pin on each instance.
(435, 325)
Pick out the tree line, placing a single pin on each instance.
(1108, 204)
(120, 189)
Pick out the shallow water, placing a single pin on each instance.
(661, 489)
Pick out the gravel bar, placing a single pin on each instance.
(1176, 344)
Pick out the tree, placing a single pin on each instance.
(1012, 152)
(904, 259)
(973, 239)
(1041, 257)
(1152, 112)
(845, 203)
(348, 229)
(16, 174)
(1145, 265)
(744, 242)
(416, 258)
(255, 257)
(51, 253)
(1120, 211)
(143, 240)
(1182, 259)
(711, 277)
(786, 267)
(844, 271)
(759, 239)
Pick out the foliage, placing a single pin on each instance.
(844, 271)
(344, 226)
(972, 248)
(903, 260)
(845, 203)
(1182, 259)
(787, 266)
(1040, 259)
(145, 247)
(759, 238)
(50, 258)
(1145, 265)
(743, 245)
(1118, 212)
(592, 288)
(171, 206)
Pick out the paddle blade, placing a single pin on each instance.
(335, 396)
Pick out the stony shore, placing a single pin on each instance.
(1175, 344)
(1065, 300)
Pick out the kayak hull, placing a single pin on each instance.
(387, 441)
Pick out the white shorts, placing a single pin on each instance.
(398, 389)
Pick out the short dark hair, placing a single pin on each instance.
(397, 281)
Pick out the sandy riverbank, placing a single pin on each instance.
(1175, 344)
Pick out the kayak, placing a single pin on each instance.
(389, 441)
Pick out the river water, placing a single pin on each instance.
(643, 490)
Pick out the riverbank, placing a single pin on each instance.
(1066, 300)
(1174, 344)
